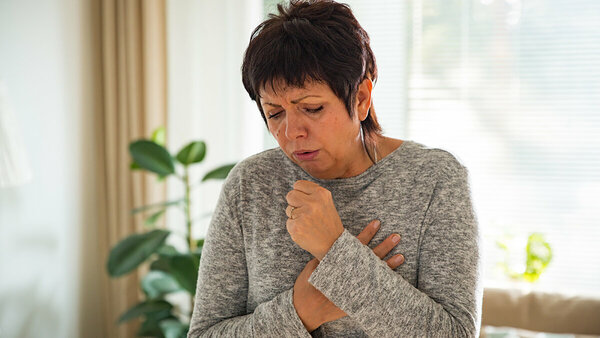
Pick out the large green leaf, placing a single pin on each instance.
(155, 205)
(167, 250)
(145, 308)
(151, 221)
(133, 250)
(219, 173)
(150, 328)
(161, 264)
(158, 283)
(199, 246)
(152, 157)
(194, 152)
(151, 325)
(172, 328)
(184, 268)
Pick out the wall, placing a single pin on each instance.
(207, 101)
(49, 276)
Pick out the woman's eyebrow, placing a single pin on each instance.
(293, 101)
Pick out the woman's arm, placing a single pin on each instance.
(447, 301)
(222, 289)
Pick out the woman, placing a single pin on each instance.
(287, 252)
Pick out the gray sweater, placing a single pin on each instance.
(249, 262)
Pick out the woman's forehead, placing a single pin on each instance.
(281, 89)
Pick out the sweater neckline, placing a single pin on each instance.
(361, 179)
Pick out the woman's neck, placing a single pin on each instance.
(383, 146)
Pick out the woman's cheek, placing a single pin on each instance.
(272, 129)
(277, 129)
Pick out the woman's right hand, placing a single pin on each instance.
(313, 308)
(385, 247)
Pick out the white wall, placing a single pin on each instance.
(207, 101)
(48, 271)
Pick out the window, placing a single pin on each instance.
(512, 88)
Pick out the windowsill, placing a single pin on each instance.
(540, 311)
(527, 287)
(509, 332)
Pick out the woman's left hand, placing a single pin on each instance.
(313, 222)
(313, 308)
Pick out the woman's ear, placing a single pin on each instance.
(363, 98)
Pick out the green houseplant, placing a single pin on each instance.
(538, 254)
(171, 270)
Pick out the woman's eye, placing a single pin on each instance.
(274, 115)
(314, 110)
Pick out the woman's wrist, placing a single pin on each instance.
(310, 324)
(321, 255)
(309, 317)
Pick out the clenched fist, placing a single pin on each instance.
(313, 223)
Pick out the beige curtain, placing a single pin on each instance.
(133, 105)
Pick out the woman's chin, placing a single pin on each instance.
(312, 168)
(316, 171)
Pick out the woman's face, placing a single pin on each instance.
(314, 129)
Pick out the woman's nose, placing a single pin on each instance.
(294, 126)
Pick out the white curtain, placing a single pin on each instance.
(207, 101)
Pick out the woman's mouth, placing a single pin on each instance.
(306, 155)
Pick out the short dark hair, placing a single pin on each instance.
(311, 40)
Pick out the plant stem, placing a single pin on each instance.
(188, 218)
(188, 213)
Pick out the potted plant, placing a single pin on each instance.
(171, 270)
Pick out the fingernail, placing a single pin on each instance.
(376, 224)
(396, 238)
(398, 259)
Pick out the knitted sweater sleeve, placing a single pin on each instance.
(447, 299)
(222, 288)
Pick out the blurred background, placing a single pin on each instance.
(510, 87)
